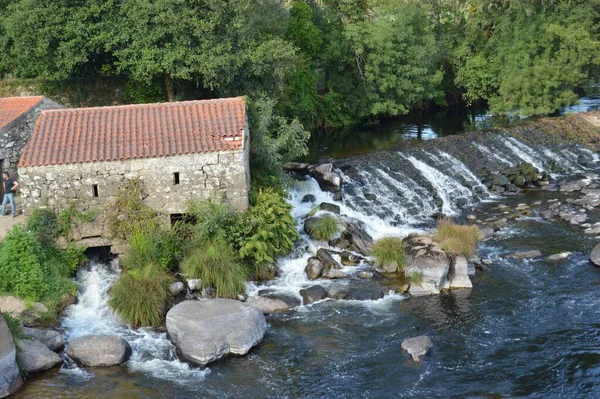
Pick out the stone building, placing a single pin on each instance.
(17, 118)
(180, 151)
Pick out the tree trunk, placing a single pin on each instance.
(169, 87)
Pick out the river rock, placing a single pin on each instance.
(425, 257)
(499, 180)
(558, 257)
(52, 339)
(458, 274)
(360, 240)
(364, 275)
(574, 185)
(10, 378)
(308, 198)
(204, 331)
(291, 300)
(524, 254)
(312, 294)
(595, 255)
(300, 167)
(194, 284)
(34, 356)
(417, 347)
(176, 288)
(99, 350)
(328, 180)
(349, 259)
(269, 305)
(333, 208)
(360, 291)
(327, 259)
(314, 268)
(337, 291)
(335, 274)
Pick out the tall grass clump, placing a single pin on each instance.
(457, 239)
(217, 265)
(324, 228)
(389, 250)
(140, 296)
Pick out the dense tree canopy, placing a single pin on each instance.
(323, 62)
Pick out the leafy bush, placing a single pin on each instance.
(31, 270)
(216, 265)
(127, 212)
(457, 239)
(44, 223)
(324, 228)
(273, 229)
(213, 220)
(140, 296)
(388, 250)
(157, 245)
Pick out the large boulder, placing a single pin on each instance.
(314, 268)
(52, 339)
(426, 259)
(417, 347)
(595, 255)
(99, 350)
(328, 180)
(312, 294)
(10, 378)
(34, 356)
(328, 261)
(205, 331)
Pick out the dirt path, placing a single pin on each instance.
(7, 223)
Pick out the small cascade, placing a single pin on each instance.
(492, 154)
(524, 152)
(153, 354)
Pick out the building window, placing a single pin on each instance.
(95, 190)
(176, 178)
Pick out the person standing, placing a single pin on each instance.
(10, 188)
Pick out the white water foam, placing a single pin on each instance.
(524, 152)
(153, 354)
(485, 151)
(461, 169)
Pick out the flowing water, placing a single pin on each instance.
(528, 328)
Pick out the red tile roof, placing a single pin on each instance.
(67, 136)
(13, 107)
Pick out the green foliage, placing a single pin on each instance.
(127, 213)
(34, 271)
(416, 278)
(154, 245)
(457, 239)
(324, 228)
(14, 325)
(140, 296)
(217, 265)
(272, 233)
(44, 224)
(388, 250)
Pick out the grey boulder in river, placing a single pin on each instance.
(206, 330)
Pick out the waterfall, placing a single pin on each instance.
(153, 354)
(524, 152)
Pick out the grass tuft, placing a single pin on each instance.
(457, 239)
(140, 296)
(387, 250)
(216, 265)
(416, 278)
(324, 228)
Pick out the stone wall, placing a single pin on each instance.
(224, 176)
(15, 135)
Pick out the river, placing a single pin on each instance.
(528, 328)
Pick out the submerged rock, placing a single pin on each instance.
(204, 331)
(10, 378)
(52, 339)
(99, 350)
(269, 305)
(312, 294)
(558, 257)
(417, 347)
(524, 254)
(34, 356)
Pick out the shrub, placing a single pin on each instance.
(272, 232)
(157, 245)
(44, 224)
(127, 212)
(140, 296)
(388, 250)
(212, 220)
(216, 265)
(324, 228)
(416, 278)
(457, 239)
